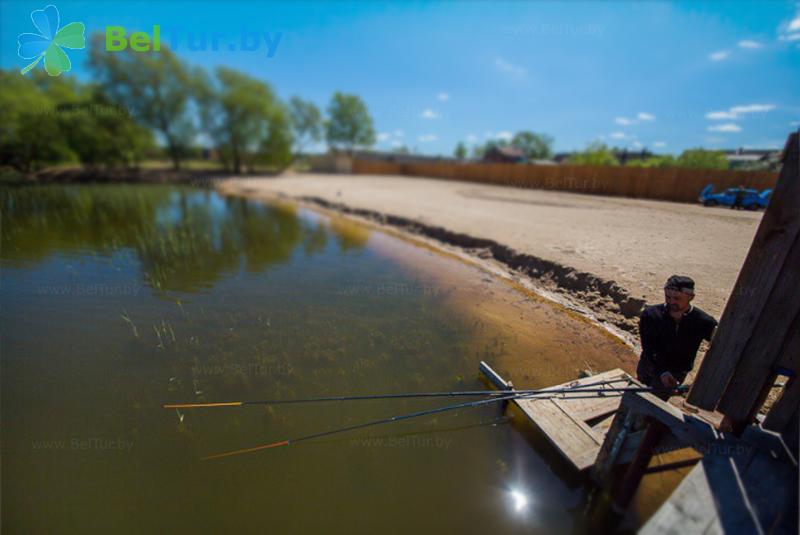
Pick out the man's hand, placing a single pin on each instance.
(668, 380)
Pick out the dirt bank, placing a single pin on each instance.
(605, 256)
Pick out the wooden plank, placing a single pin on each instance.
(653, 433)
(769, 443)
(575, 440)
(778, 229)
(689, 509)
(712, 497)
(771, 486)
(604, 425)
(780, 415)
(617, 375)
(755, 372)
(563, 419)
(589, 408)
(494, 377)
(790, 354)
(613, 442)
(693, 431)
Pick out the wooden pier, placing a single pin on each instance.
(745, 477)
(576, 425)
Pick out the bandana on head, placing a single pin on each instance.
(680, 283)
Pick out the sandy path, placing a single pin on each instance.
(635, 243)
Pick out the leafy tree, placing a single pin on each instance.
(244, 118)
(100, 133)
(666, 160)
(535, 146)
(156, 88)
(276, 148)
(401, 149)
(702, 159)
(596, 153)
(479, 150)
(461, 151)
(29, 130)
(349, 123)
(306, 122)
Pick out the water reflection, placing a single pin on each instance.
(184, 239)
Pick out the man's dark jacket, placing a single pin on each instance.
(670, 346)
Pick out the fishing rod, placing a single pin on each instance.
(470, 393)
(399, 418)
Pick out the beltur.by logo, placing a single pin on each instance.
(48, 44)
(117, 39)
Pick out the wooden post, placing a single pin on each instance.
(494, 377)
(653, 433)
(754, 324)
(781, 414)
(621, 426)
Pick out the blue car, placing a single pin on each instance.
(751, 198)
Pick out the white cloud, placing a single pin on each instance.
(637, 145)
(720, 115)
(753, 108)
(443, 96)
(398, 133)
(472, 139)
(727, 127)
(618, 135)
(749, 43)
(659, 144)
(794, 123)
(790, 31)
(734, 112)
(641, 116)
(719, 55)
(715, 140)
(397, 143)
(383, 136)
(427, 138)
(505, 135)
(429, 114)
(509, 68)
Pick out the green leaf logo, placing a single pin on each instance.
(48, 43)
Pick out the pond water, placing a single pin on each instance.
(117, 299)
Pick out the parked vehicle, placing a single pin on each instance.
(751, 198)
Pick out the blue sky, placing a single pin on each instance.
(660, 75)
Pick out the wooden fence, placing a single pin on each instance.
(672, 184)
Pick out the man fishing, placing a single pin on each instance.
(671, 334)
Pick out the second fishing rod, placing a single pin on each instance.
(597, 388)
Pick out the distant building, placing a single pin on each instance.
(753, 159)
(622, 155)
(401, 157)
(504, 154)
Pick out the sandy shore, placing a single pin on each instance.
(607, 256)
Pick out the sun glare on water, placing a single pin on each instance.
(519, 500)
